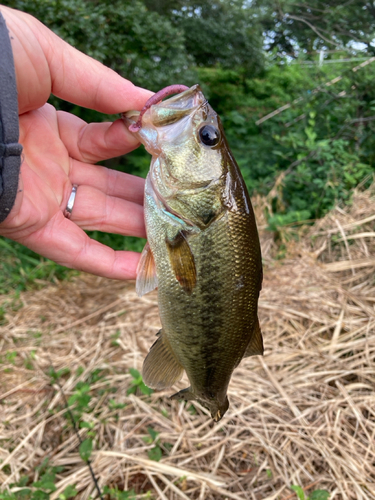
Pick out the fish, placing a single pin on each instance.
(202, 253)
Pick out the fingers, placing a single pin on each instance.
(31, 66)
(79, 79)
(65, 243)
(84, 81)
(95, 210)
(110, 182)
(94, 142)
(44, 63)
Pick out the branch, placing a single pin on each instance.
(320, 88)
(368, 119)
(302, 20)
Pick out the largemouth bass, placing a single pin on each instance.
(203, 252)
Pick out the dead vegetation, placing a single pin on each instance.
(303, 414)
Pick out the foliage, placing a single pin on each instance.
(83, 414)
(203, 21)
(138, 384)
(85, 449)
(250, 59)
(25, 489)
(315, 495)
(116, 494)
(156, 452)
(295, 27)
(323, 145)
(20, 268)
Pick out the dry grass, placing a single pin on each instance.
(303, 414)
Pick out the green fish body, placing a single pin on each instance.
(203, 252)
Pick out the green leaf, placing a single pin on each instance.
(145, 390)
(155, 453)
(69, 492)
(154, 434)
(40, 495)
(86, 425)
(299, 491)
(47, 481)
(192, 410)
(319, 495)
(11, 356)
(23, 481)
(113, 405)
(131, 390)
(135, 374)
(114, 493)
(85, 449)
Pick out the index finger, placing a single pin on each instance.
(45, 61)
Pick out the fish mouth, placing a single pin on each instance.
(166, 112)
(130, 117)
(219, 409)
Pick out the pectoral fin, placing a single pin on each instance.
(256, 342)
(147, 279)
(161, 368)
(182, 261)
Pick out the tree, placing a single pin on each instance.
(307, 26)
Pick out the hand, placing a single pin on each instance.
(60, 149)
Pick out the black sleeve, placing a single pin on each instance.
(10, 149)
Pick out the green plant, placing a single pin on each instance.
(315, 495)
(40, 489)
(69, 492)
(113, 405)
(116, 494)
(137, 383)
(85, 449)
(10, 356)
(80, 399)
(20, 268)
(156, 452)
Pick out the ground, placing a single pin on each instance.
(303, 414)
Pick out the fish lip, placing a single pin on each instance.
(182, 105)
(186, 93)
(130, 117)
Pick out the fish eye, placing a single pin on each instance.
(209, 135)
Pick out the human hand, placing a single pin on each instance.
(60, 149)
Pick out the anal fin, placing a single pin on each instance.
(147, 279)
(255, 345)
(161, 368)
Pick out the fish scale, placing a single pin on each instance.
(203, 252)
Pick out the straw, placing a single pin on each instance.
(303, 414)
